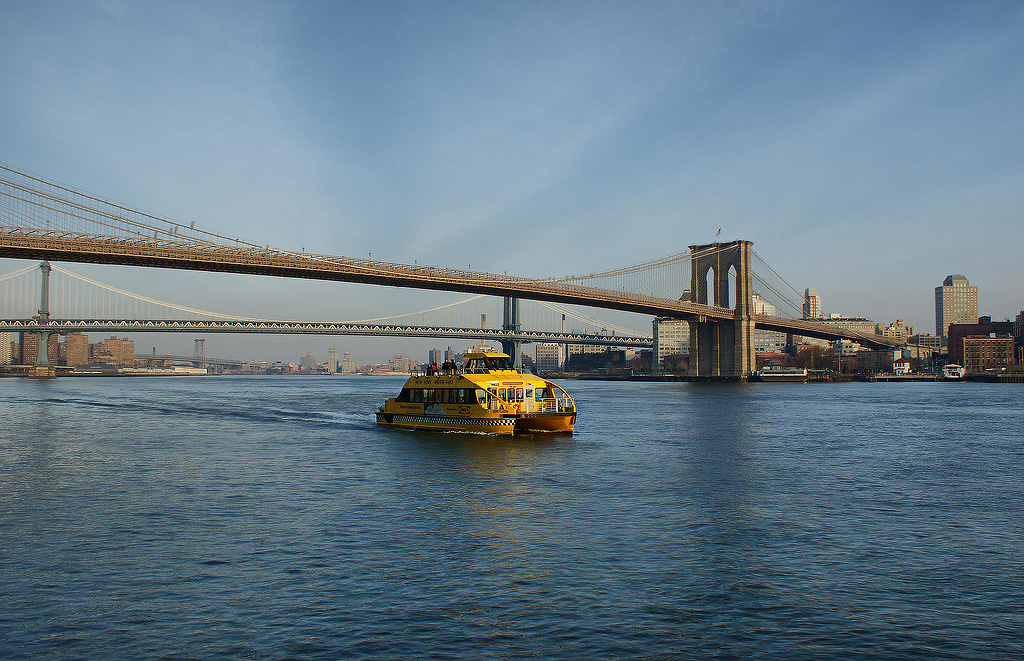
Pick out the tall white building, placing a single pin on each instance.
(348, 364)
(332, 360)
(812, 304)
(766, 341)
(5, 348)
(671, 338)
(956, 302)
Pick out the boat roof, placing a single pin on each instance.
(485, 354)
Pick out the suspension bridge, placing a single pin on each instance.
(71, 298)
(710, 286)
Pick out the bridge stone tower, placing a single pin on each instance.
(722, 348)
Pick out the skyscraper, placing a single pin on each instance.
(5, 348)
(812, 304)
(671, 338)
(76, 350)
(766, 340)
(956, 302)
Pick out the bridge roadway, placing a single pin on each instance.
(26, 243)
(312, 328)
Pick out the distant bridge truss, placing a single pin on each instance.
(74, 301)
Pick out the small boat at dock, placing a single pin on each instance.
(953, 372)
(778, 373)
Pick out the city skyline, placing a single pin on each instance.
(851, 142)
(963, 314)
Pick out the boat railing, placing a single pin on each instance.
(554, 405)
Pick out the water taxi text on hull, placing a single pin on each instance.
(487, 395)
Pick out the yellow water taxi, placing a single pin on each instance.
(487, 395)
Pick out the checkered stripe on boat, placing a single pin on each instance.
(438, 420)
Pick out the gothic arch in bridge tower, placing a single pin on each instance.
(722, 348)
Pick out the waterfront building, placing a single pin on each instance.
(900, 362)
(332, 360)
(671, 338)
(76, 350)
(1018, 336)
(28, 349)
(435, 357)
(766, 341)
(984, 327)
(984, 353)
(956, 302)
(348, 364)
(307, 363)
(548, 357)
(5, 349)
(113, 351)
(812, 304)
(581, 349)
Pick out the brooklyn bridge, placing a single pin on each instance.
(711, 286)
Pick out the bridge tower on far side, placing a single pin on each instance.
(510, 322)
(722, 348)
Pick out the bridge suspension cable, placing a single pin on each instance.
(776, 274)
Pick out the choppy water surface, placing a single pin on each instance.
(269, 517)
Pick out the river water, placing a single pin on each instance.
(268, 517)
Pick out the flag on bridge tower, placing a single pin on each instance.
(718, 233)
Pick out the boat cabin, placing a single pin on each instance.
(483, 363)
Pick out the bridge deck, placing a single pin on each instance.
(26, 243)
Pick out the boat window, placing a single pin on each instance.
(529, 393)
(499, 363)
(542, 393)
(404, 396)
(502, 393)
(481, 397)
(519, 394)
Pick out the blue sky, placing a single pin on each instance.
(868, 149)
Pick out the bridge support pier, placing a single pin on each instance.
(722, 348)
(43, 369)
(510, 322)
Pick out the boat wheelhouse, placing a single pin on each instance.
(487, 395)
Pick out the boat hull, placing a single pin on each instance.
(546, 422)
(521, 423)
(447, 423)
